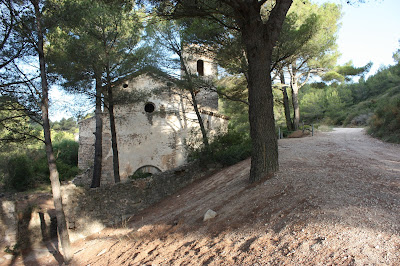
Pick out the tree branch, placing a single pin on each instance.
(231, 98)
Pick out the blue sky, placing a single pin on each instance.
(369, 32)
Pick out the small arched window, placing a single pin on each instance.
(200, 67)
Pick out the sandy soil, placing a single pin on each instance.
(335, 200)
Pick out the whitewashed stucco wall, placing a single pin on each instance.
(158, 138)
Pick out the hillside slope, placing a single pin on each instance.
(335, 200)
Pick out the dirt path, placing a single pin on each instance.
(335, 200)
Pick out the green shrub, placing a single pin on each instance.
(139, 175)
(363, 108)
(226, 149)
(385, 123)
(29, 170)
(66, 171)
(67, 151)
(40, 166)
(312, 104)
(20, 173)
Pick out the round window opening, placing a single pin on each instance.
(149, 107)
(125, 85)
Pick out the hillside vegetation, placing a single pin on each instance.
(374, 102)
(23, 164)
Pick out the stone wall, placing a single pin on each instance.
(90, 210)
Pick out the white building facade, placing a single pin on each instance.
(154, 132)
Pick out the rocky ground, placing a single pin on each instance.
(335, 200)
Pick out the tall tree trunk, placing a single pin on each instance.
(199, 118)
(114, 143)
(259, 39)
(54, 176)
(264, 156)
(286, 107)
(296, 106)
(98, 147)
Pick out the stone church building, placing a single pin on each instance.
(153, 133)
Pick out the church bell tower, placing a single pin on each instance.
(200, 61)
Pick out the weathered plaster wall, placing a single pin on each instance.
(207, 100)
(158, 138)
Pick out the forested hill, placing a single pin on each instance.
(372, 102)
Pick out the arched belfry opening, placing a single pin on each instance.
(200, 60)
(200, 67)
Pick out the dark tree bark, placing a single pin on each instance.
(98, 145)
(54, 176)
(199, 119)
(259, 39)
(114, 142)
(286, 107)
(264, 157)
